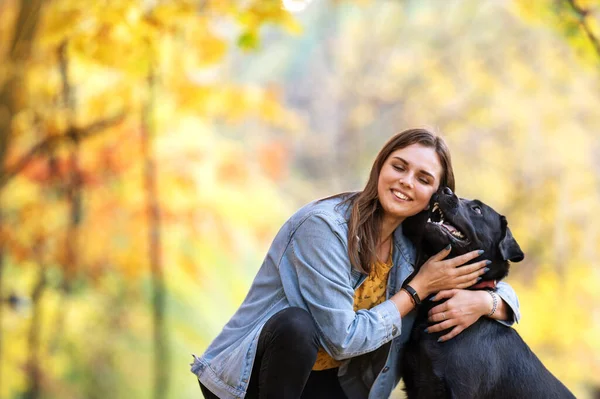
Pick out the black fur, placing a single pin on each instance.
(487, 360)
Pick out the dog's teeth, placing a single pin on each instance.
(429, 220)
(457, 234)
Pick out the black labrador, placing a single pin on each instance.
(487, 360)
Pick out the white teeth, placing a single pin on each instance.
(431, 221)
(400, 195)
(457, 234)
(436, 207)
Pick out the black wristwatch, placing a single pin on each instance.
(413, 293)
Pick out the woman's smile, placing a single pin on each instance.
(400, 196)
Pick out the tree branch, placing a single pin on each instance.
(582, 13)
(74, 134)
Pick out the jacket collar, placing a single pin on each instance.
(404, 248)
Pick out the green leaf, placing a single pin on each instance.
(249, 41)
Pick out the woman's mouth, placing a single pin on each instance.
(401, 196)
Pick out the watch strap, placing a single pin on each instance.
(413, 294)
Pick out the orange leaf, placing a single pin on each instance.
(272, 159)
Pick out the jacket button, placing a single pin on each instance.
(394, 330)
(385, 369)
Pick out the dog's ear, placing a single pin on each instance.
(509, 248)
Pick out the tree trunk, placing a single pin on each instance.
(161, 350)
(11, 100)
(73, 189)
(33, 340)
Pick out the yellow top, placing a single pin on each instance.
(370, 293)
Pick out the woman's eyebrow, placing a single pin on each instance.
(421, 171)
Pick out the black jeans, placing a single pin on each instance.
(287, 350)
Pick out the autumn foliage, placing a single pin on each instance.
(150, 150)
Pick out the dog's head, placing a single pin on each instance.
(469, 225)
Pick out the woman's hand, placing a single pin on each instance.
(461, 309)
(438, 274)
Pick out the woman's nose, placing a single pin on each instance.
(406, 181)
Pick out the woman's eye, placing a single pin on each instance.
(400, 168)
(424, 181)
(477, 209)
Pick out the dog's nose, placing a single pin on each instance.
(447, 191)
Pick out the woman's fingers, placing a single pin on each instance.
(462, 259)
(445, 273)
(456, 314)
(442, 326)
(441, 316)
(474, 267)
(455, 331)
(442, 254)
(471, 276)
(469, 283)
(444, 294)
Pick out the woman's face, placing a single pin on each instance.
(407, 180)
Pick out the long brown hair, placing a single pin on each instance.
(366, 215)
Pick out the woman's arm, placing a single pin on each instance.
(510, 304)
(464, 307)
(437, 274)
(317, 259)
(318, 256)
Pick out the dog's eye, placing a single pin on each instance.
(476, 209)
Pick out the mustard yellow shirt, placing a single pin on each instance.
(370, 293)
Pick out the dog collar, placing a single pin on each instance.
(488, 284)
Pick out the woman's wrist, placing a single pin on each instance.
(419, 287)
(487, 302)
(498, 309)
(404, 302)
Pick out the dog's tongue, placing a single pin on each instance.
(449, 227)
(484, 284)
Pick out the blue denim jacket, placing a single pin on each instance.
(307, 266)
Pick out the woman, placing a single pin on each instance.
(331, 308)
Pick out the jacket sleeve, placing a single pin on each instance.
(506, 292)
(321, 263)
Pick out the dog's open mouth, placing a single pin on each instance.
(437, 217)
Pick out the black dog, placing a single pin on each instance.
(487, 360)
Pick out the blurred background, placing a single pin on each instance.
(150, 150)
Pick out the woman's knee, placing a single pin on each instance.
(294, 325)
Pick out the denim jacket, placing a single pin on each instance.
(307, 266)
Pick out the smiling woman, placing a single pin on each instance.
(407, 181)
(334, 302)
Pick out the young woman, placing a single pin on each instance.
(330, 309)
